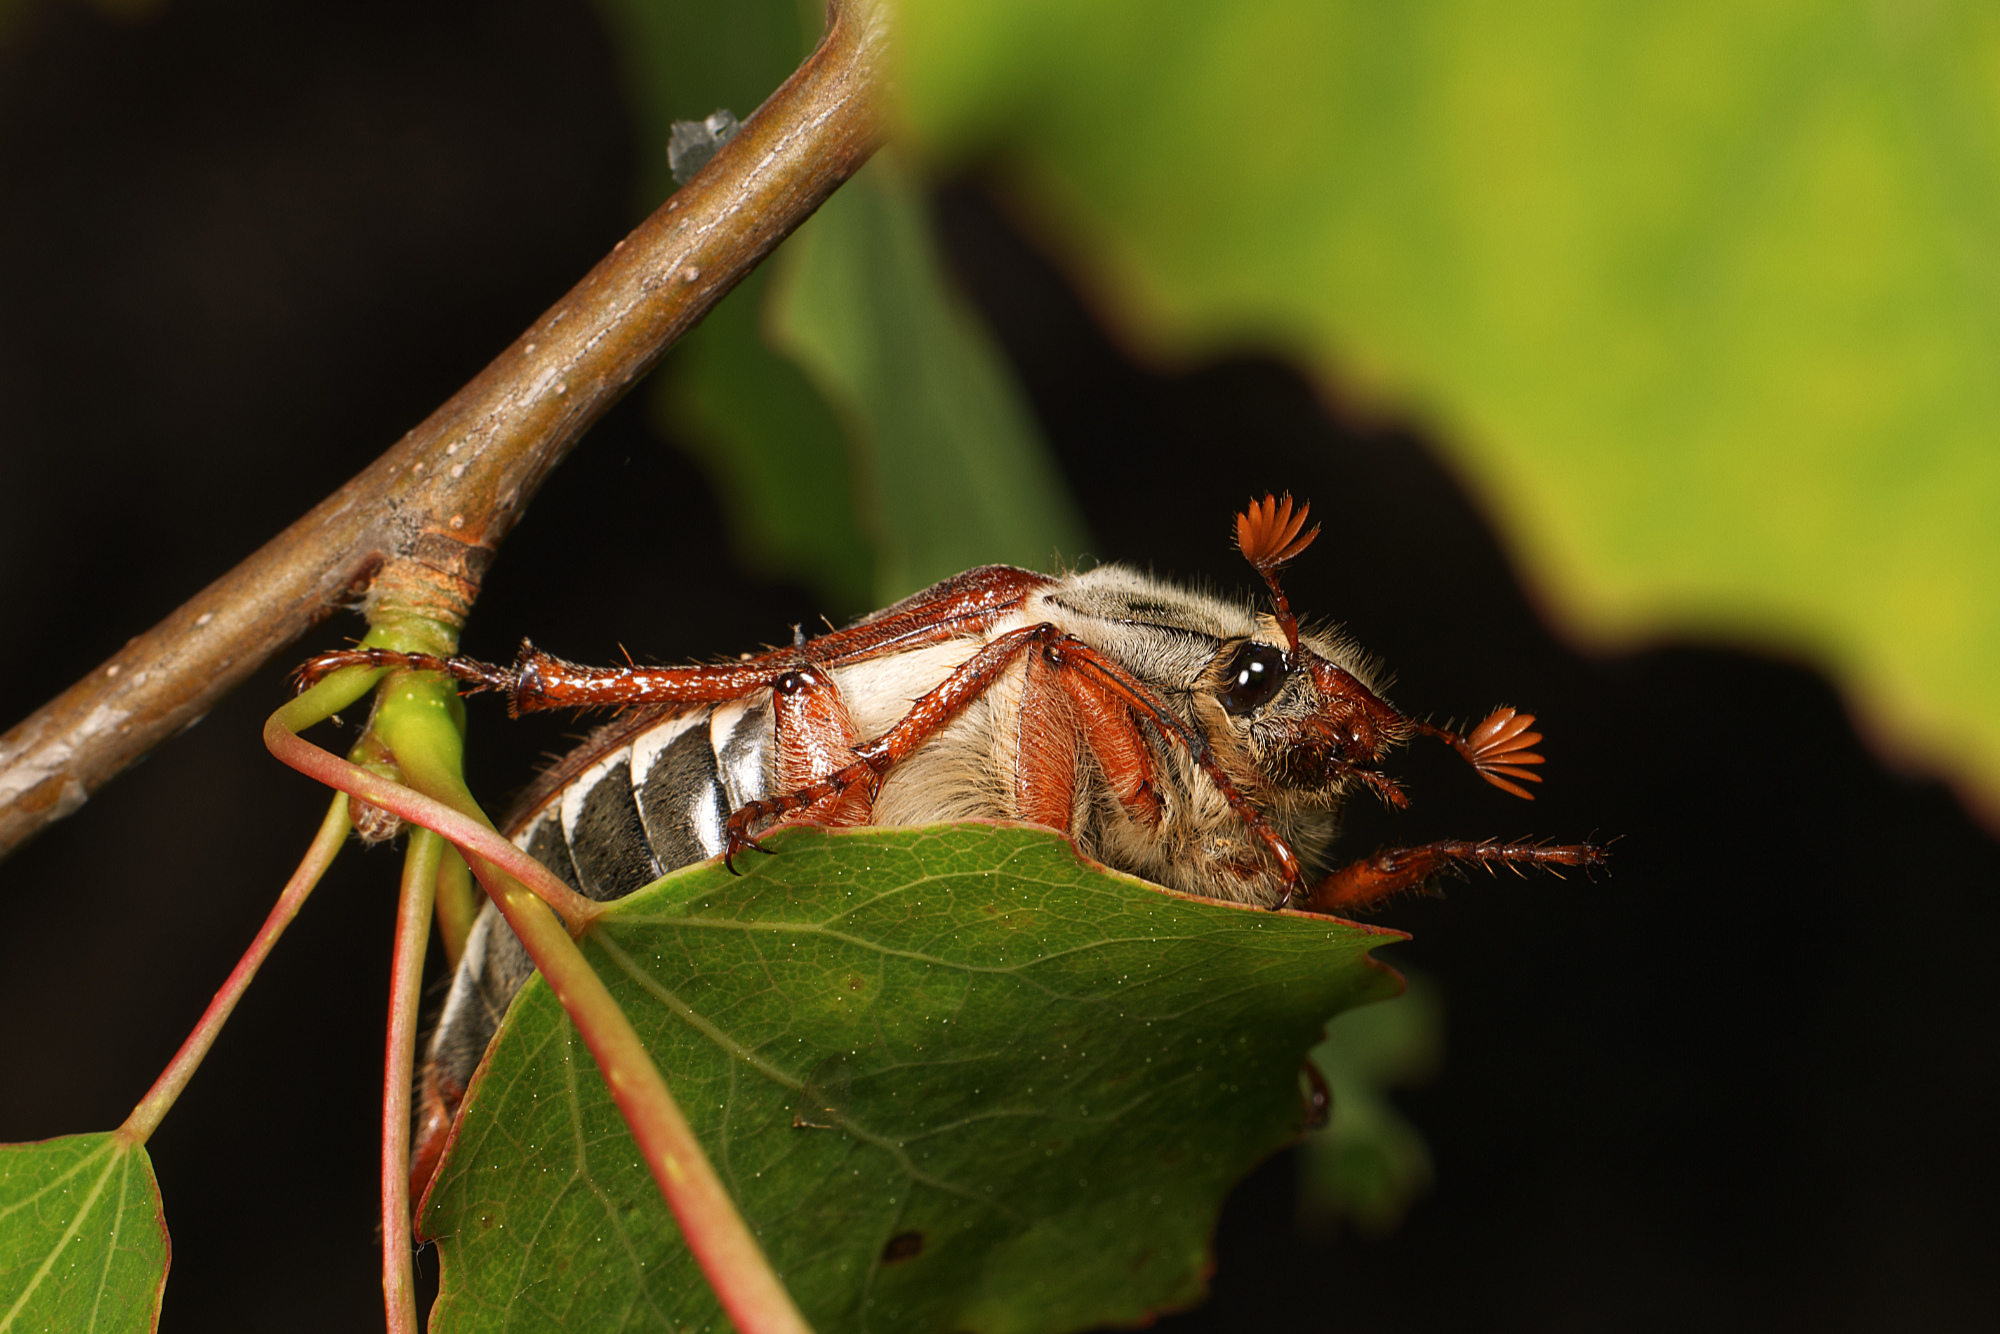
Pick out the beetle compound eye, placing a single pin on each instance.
(1255, 674)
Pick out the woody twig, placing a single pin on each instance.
(418, 528)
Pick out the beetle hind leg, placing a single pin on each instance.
(468, 672)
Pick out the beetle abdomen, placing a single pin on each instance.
(653, 802)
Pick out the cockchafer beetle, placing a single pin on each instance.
(1174, 735)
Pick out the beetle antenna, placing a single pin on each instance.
(1269, 535)
(1497, 748)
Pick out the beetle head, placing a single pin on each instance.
(1312, 727)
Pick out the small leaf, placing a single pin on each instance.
(83, 1239)
(954, 470)
(1368, 1163)
(956, 1078)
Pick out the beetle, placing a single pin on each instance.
(1177, 736)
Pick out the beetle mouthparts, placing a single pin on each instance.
(1384, 787)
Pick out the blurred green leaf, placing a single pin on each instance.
(83, 1240)
(766, 440)
(956, 1079)
(1368, 1163)
(903, 453)
(774, 451)
(954, 467)
(1703, 299)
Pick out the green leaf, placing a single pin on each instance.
(774, 451)
(863, 432)
(83, 1239)
(1703, 299)
(956, 1078)
(1368, 1163)
(955, 470)
(762, 434)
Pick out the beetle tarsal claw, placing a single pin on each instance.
(740, 841)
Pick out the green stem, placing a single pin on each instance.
(749, 1289)
(322, 701)
(457, 905)
(471, 834)
(406, 984)
(415, 719)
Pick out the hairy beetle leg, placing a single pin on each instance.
(1393, 870)
(816, 739)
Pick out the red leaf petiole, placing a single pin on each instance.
(749, 1290)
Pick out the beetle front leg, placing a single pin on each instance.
(1113, 736)
(1098, 677)
(1045, 734)
(1391, 871)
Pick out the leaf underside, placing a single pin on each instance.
(956, 1078)
(1700, 297)
(83, 1239)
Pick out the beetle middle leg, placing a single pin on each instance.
(874, 759)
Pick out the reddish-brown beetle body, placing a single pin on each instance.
(1177, 736)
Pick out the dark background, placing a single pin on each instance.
(1748, 1080)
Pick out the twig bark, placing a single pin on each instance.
(420, 526)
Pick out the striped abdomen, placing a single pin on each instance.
(650, 803)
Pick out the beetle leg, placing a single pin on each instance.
(475, 676)
(1393, 870)
(965, 605)
(438, 1102)
(1115, 739)
(815, 736)
(926, 717)
(1113, 683)
(539, 680)
(1045, 749)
